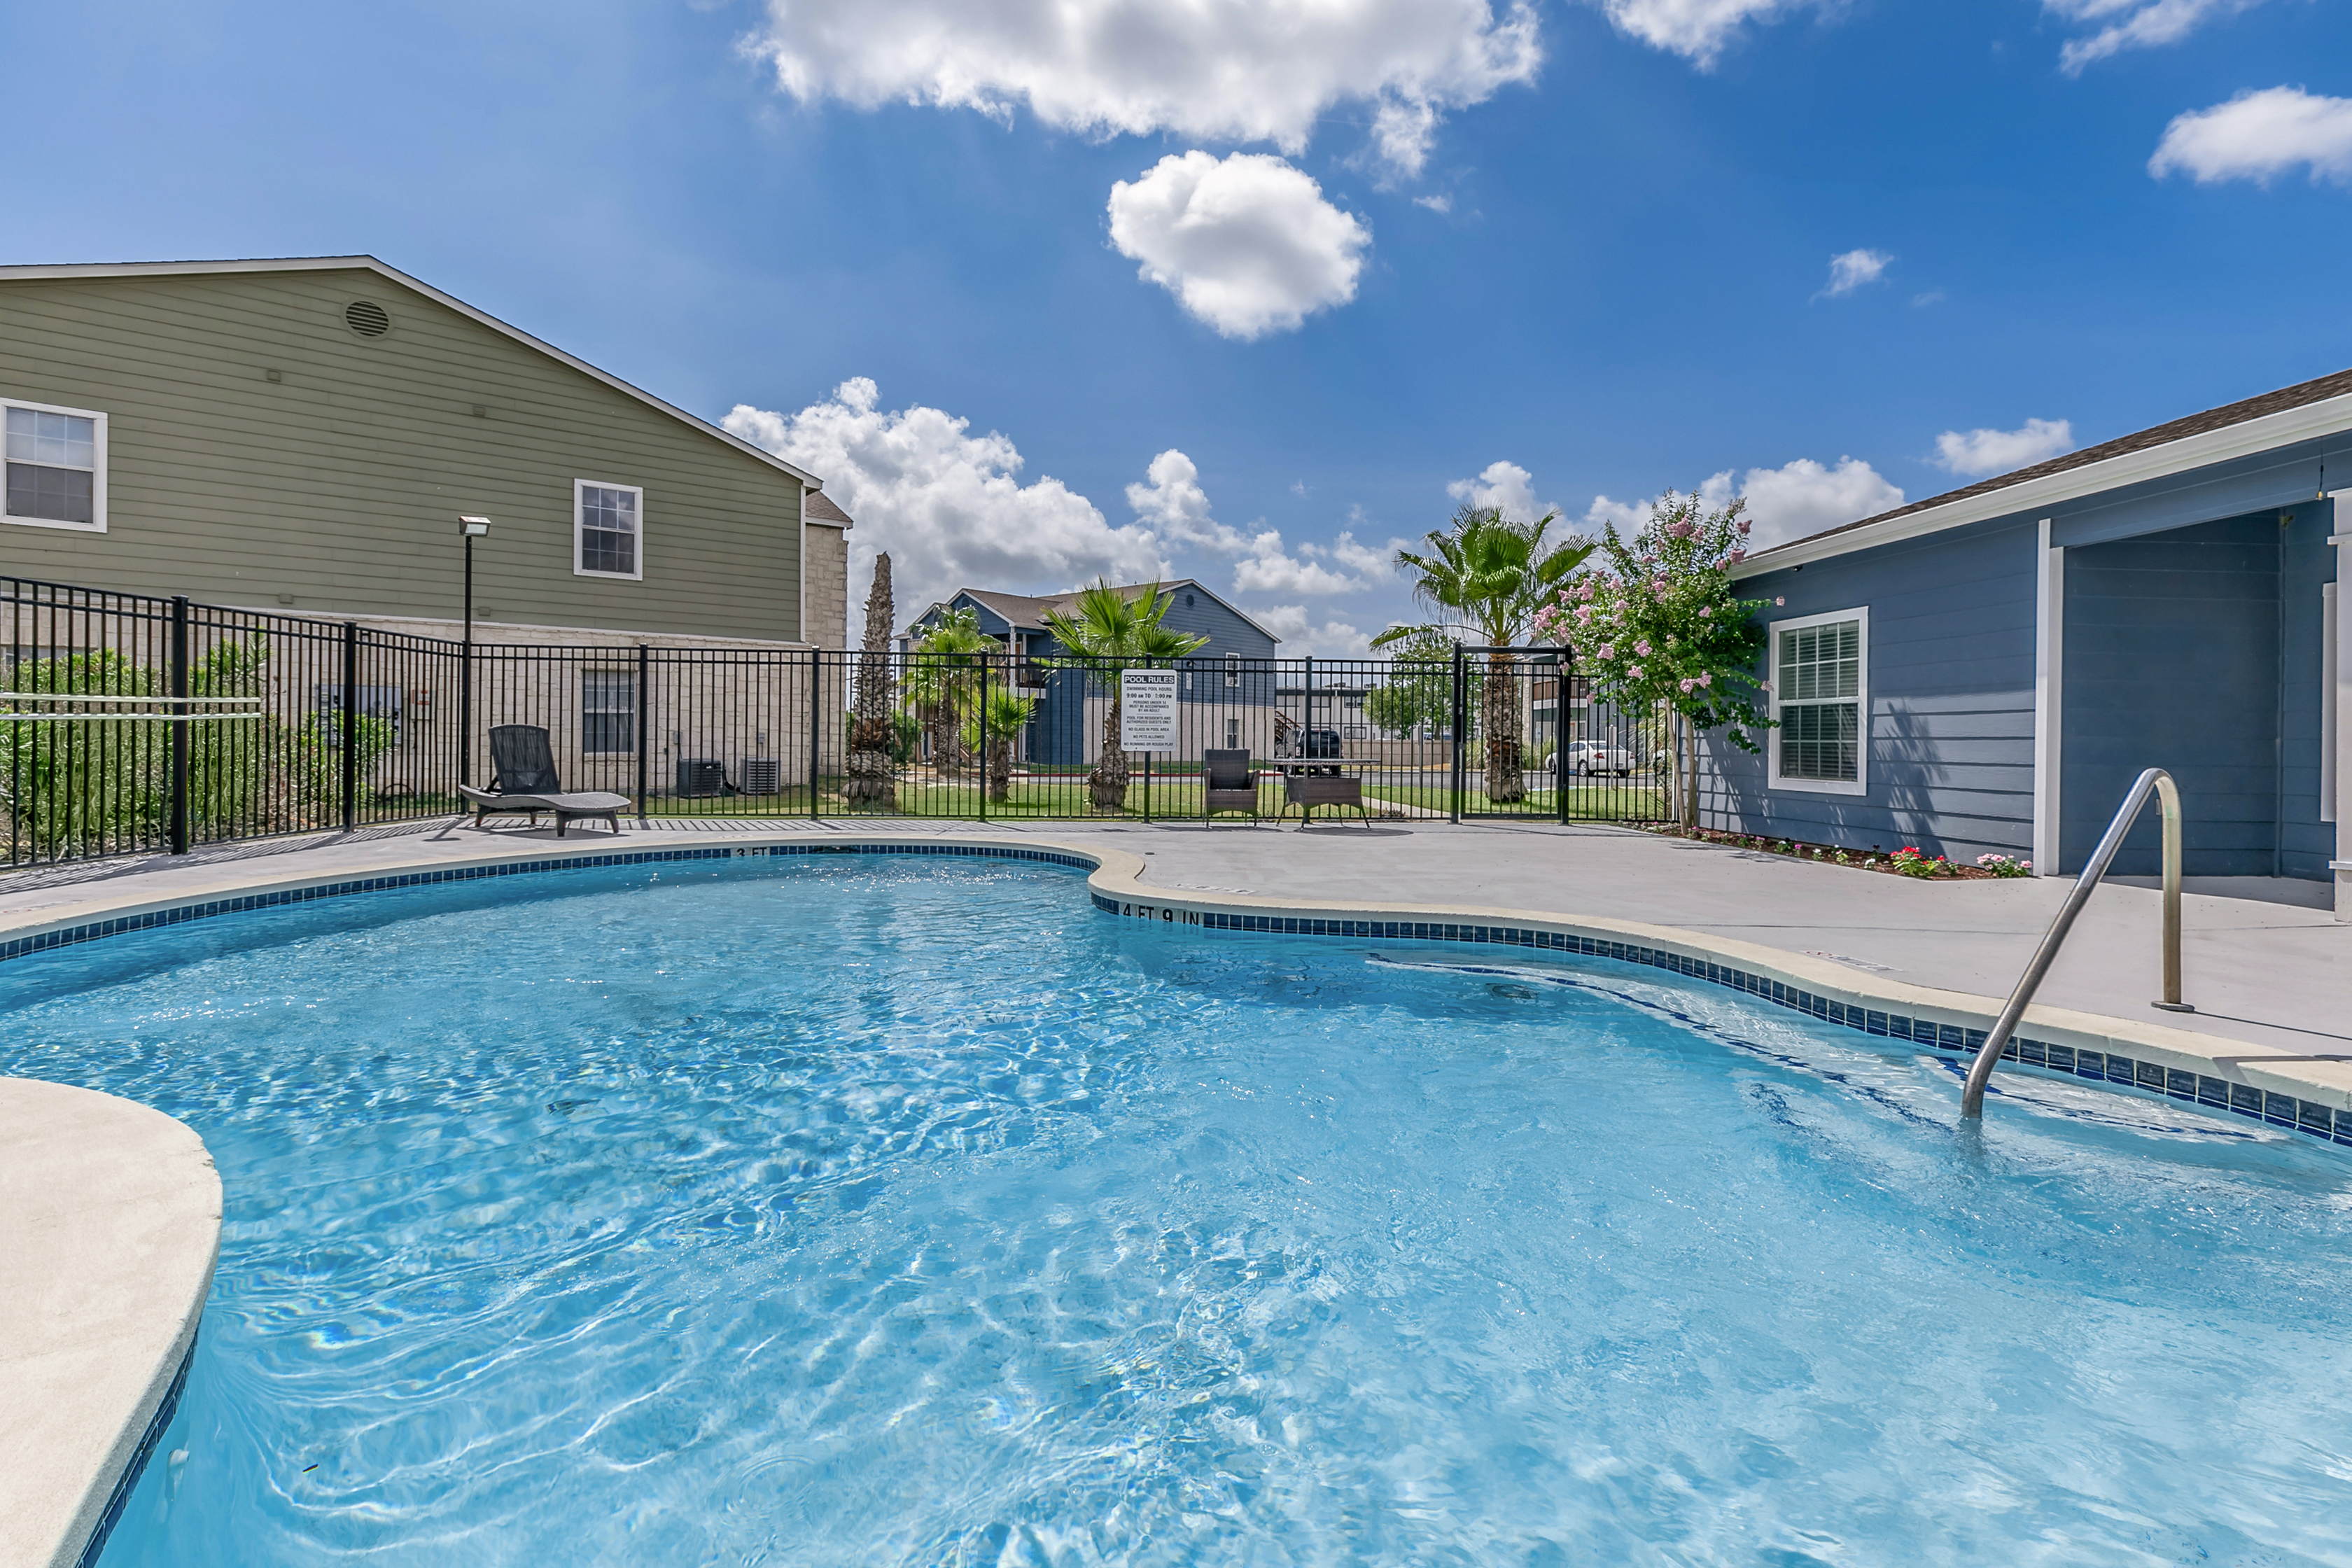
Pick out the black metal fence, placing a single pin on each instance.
(133, 723)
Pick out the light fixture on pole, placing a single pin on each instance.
(472, 528)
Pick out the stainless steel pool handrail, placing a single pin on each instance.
(2156, 781)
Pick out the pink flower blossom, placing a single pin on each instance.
(1635, 670)
(1743, 528)
(1687, 683)
(1705, 612)
(1780, 600)
(1643, 648)
(1707, 677)
(1738, 555)
(1609, 650)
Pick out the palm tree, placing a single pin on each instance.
(1114, 630)
(1006, 713)
(940, 678)
(1487, 575)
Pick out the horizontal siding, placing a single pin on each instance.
(2172, 661)
(1951, 689)
(2305, 562)
(341, 484)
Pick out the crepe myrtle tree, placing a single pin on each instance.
(1490, 577)
(1659, 626)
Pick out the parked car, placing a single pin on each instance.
(1321, 744)
(1589, 757)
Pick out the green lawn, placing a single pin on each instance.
(1066, 797)
(1586, 802)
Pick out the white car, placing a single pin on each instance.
(1589, 757)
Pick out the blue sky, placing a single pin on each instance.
(1610, 270)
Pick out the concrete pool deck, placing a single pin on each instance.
(110, 1226)
(2261, 972)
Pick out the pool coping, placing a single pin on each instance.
(108, 1241)
(2308, 1096)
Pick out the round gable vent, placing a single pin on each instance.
(367, 318)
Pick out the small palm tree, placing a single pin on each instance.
(1487, 575)
(941, 678)
(1006, 713)
(1115, 629)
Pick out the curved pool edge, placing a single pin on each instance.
(71, 1490)
(2311, 1096)
(110, 1229)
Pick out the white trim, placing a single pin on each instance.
(98, 467)
(2328, 416)
(2049, 697)
(370, 264)
(1860, 782)
(2341, 701)
(2331, 664)
(579, 490)
(800, 627)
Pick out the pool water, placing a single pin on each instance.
(882, 1211)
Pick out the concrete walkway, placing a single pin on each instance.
(2269, 974)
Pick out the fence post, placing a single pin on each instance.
(816, 721)
(179, 724)
(351, 725)
(644, 729)
(1456, 724)
(1564, 672)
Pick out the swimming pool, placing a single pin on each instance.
(861, 1210)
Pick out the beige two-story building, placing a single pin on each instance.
(300, 439)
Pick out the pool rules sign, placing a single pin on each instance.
(1147, 710)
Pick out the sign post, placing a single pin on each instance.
(1147, 718)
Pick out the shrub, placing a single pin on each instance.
(2003, 865)
(1912, 863)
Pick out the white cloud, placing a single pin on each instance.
(1247, 244)
(1783, 503)
(1626, 514)
(2135, 25)
(1440, 203)
(1229, 70)
(1506, 487)
(1854, 269)
(1697, 30)
(1977, 453)
(1300, 634)
(944, 502)
(1343, 566)
(2259, 136)
(1801, 497)
(1175, 506)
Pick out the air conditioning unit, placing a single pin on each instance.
(763, 775)
(701, 776)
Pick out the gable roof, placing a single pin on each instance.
(818, 507)
(1027, 612)
(394, 274)
(2316, 407)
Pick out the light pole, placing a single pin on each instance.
(473, 528)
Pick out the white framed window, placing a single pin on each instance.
(56, 467)
(1233, 670)
(608, 712)
(608, 529)
(1821, 702)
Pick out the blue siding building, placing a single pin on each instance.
(1987, 670)
(1227, 688)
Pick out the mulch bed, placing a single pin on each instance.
(1825, 854)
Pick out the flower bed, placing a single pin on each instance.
(1907, 861)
